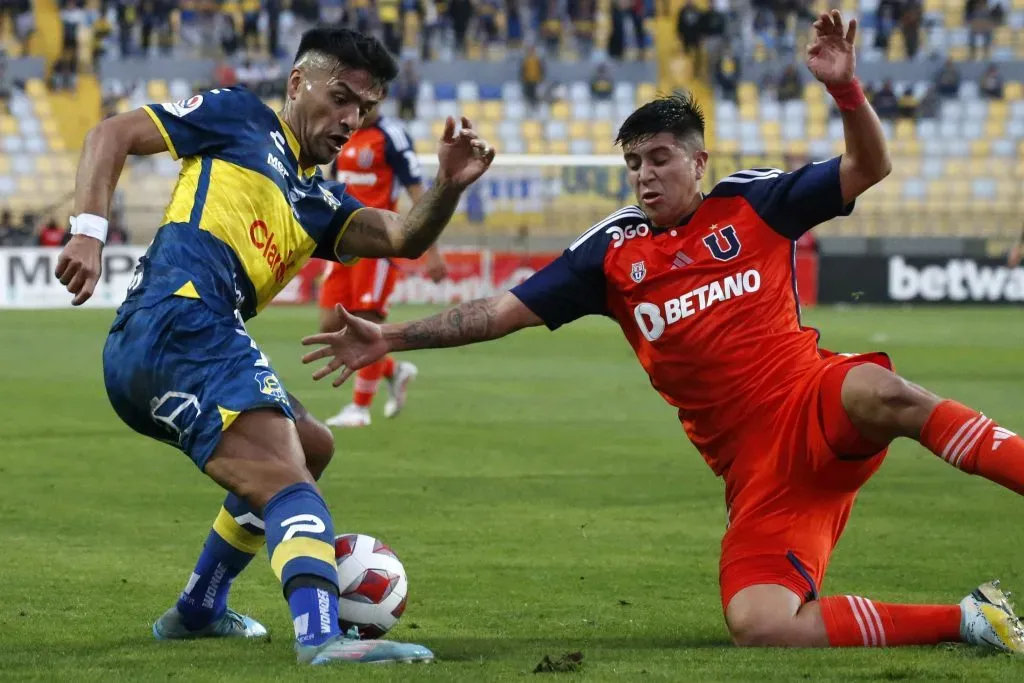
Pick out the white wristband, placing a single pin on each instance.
(90, 225)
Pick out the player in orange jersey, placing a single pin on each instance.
(704, 290)
(376, 162)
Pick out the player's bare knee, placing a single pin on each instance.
(754, 629)
(882, 402)
(317, 445)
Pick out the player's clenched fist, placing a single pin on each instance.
(464, 157)
(79, 267)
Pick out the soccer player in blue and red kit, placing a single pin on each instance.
(249, 209)
(707, 299)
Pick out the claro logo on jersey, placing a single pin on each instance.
(652, 319)
(264, 239)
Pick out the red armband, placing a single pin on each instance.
(848, 96)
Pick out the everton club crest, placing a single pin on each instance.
(639, 271)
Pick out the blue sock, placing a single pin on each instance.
(236, 537)
(300, 541)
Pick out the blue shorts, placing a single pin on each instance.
(181, 373)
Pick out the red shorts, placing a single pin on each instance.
(364, 286)
(790, 488)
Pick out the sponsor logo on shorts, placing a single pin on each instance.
(270, 385)
(264, 239)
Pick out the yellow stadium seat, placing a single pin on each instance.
(5, 164)
(817, 111)
(493, 110)
(976, 167)
(50, 127)
(995, 129)
(982, 148)
(912, 147)
(35, 88)
(8, 126)
(57, 144)
(838, 147)
(1012, 90)
(156, 90)
(997, 110)
(579, 130)
(727, 147)
(558, 147)
(747, 92)
(816, 130)
(602, 129)
(773, 146)
(771, 131)
(958, 53)
(531, 131)
(814, 92)
(41, 106)
(797, 147)
(45, 165)
(604, 145)
(906, 129)
(645, 92)
(471, 110)
(1003, 36)
(536, 146)
(748, 111)
(1019, 169)
(560, 111)
(488, 130)
(437, 129)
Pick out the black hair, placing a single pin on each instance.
(353, 49)
(677, 113)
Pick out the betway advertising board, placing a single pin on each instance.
(919, 280)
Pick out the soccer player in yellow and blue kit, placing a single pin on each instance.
(249, 209)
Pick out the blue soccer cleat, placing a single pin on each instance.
(231, 624)
(349, 648)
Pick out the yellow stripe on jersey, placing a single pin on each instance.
(247, 211)
(345, 260)
(163, 132)
(300, 546)
(293, 143)
(183, 199)
(236, 535)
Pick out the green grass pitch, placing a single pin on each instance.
(543, 499)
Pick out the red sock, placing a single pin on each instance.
(967, 439)
(389, 367)
(851, 621)
(367, 381)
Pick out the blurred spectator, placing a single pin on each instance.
(885, 103)
(907, 104)
(101, 30)
(5, 82)
(389, 16)
(910, 25)
(531, 74)
(992, 83)
(713, 33)
(487, 22)
(51, 234)
(637, 12)
(688, 27)
(978, 17)
(601, 85)
(928, 107)
(886, 23)
(551, 25)
(947, 80)
(617, 37)
(6, 228)
(790, 85)
(406, 90)
(460, 12)
(585, 24)
(728, 75)
(225, 75)
(24, 23)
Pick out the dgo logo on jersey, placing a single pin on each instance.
(621, 234)
(183, 107)
(723, 243)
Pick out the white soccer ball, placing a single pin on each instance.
(373, 585)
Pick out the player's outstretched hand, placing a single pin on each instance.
(79, 266)
(463, 157)
(830, 56)
(358, 344)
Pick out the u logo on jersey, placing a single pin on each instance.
(723, 243)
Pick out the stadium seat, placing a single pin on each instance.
(490, 92)
(471, 109)
(445, 91)
(493, 110)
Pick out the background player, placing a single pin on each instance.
(707, 300)
(249, 209)
(376, 162)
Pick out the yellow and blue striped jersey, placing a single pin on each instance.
(244, 217)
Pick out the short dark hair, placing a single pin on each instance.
(677, 113)
(353, 49)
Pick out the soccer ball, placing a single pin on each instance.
(373, 585)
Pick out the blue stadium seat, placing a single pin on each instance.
(445, 91)
(490, 92)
